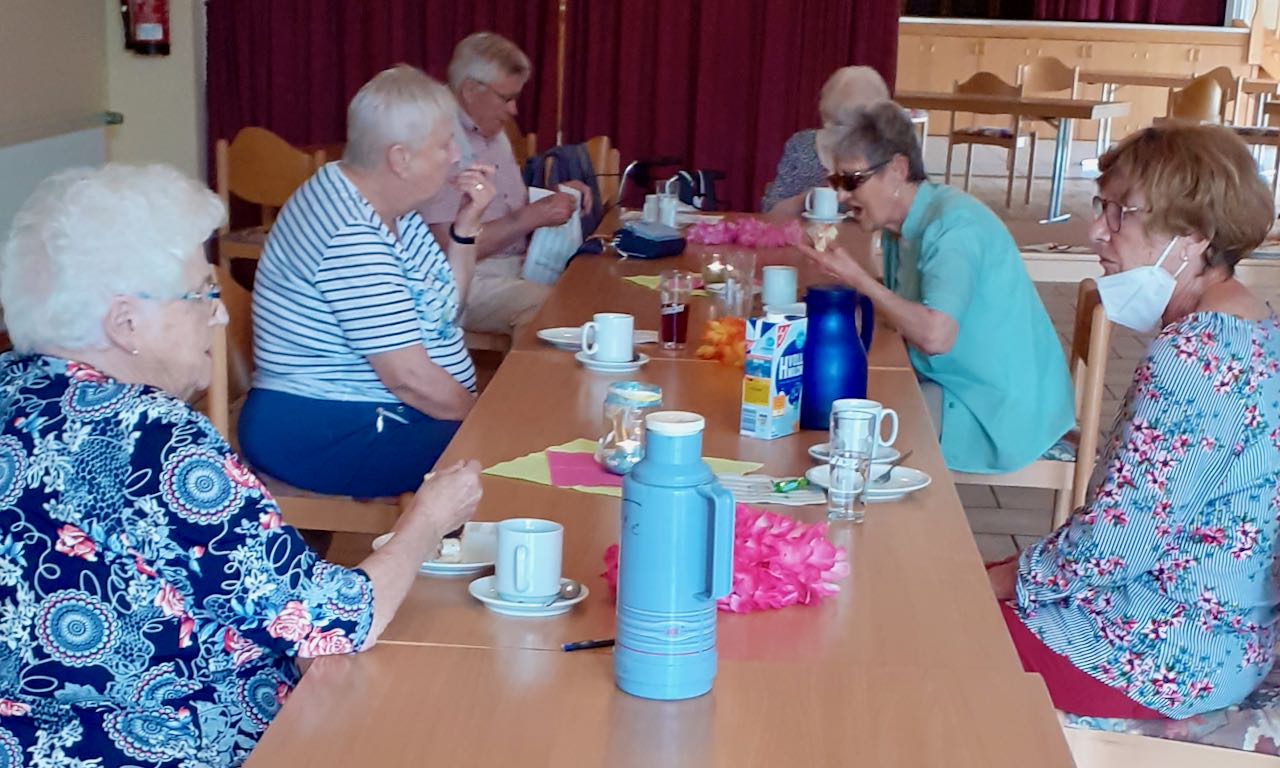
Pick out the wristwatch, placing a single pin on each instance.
(460, 240)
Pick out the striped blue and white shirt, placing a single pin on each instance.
(1164, 584)
(335, 286)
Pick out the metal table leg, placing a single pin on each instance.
(1061, 157)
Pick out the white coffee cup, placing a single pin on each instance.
(821, 203)
(778, 285)
(651, 207)
(527, 568)
(871, 406)
(608, 337)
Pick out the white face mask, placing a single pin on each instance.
(1137, 298)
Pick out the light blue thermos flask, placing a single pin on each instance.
(675, 559)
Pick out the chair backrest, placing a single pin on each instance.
(232, 353)
(605, 161)
(984, 84)
(260, 167)
(1230, 85)
(1047, 76)
(1200, 101)
(1090, 344)
(522, 146)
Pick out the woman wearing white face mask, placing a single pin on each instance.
(1157, 598)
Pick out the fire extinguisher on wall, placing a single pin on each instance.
(146, 26)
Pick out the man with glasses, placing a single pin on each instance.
(487, 74)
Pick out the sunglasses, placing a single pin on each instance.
(1113, 212)
(850, 181)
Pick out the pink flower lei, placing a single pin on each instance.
(777, 562)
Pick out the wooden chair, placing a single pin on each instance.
(1045, 76)
(607, 163)
(1199, 102)
(1010, 138)
(1229, 105)
(261, 168)
(232, 355)
(1090, 342)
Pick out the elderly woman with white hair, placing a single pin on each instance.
(361, 375)
(152, 603)
(806, 158)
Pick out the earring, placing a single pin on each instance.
(135, 352)
(897, 191)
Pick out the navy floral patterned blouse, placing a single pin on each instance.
(151, 603)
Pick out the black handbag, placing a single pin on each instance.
(648, 240)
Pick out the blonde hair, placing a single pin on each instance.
(400, 105)
(847, 89)
(87, 235)
(485, 57)
(1197, 179)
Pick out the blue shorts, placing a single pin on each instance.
(365, 450)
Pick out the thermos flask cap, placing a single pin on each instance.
(674, 423)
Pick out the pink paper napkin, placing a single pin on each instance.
(570, 469)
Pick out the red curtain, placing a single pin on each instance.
(1141, 11)
(720, 84)
(291, 66)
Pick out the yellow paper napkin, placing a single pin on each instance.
(651, 282)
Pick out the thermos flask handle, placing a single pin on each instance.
(722, 518)
(866, 321)
(522, 569)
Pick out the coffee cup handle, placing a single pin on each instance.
(522, 569)
(808, 200)
(590, 330)
(893, 436)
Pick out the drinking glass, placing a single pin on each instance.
(853, 440)
(674, 289)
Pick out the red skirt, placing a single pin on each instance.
(1071, 689)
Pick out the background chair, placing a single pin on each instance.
(987, 84)
(1200, 102)
(232, 374)
(261, 168)
(523, 146)
(1069, 475)
(1045, 76)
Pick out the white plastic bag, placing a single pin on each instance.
(550, 248)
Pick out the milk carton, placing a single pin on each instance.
(771, 379)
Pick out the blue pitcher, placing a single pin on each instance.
(835, 354)
(675, 559)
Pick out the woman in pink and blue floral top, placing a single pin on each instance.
(1161, 589)
(153, 605)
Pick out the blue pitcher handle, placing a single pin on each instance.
(722, 519)
(866, 321)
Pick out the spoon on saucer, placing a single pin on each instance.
(568, 590)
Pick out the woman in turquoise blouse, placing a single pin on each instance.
(990, 364)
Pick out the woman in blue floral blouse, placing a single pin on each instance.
(1161, 590)
(152, 605)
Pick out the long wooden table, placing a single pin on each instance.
(1028, 107)
(908, 665)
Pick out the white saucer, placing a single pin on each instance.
(823, 219)
(601, 367)
(477, 553)
(902, 481)
(483, 590)
(570, 338)
(885, 454)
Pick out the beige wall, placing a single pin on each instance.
(161, 97)
(53, 73)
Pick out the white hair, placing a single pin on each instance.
(87, 235)
(485, 57)
(847, 89)
(400, 105)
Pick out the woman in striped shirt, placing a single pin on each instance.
(361, 377)
(1158, 597)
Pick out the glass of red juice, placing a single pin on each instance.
(674, 289)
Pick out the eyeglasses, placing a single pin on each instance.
(850, 181)
(211, 292)
(1113, 212)
(505, 98)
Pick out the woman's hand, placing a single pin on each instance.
(478, 190)
(585, 192)
(448, 497)
(1004, 579)
(837, 263)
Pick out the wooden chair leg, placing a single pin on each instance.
(946, 178)
(1013, 166)
(1275, 170)
(968, 167)
(1031, 169)
(1061, 507)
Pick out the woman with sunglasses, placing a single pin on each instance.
(1158, 597)
(990, 364)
